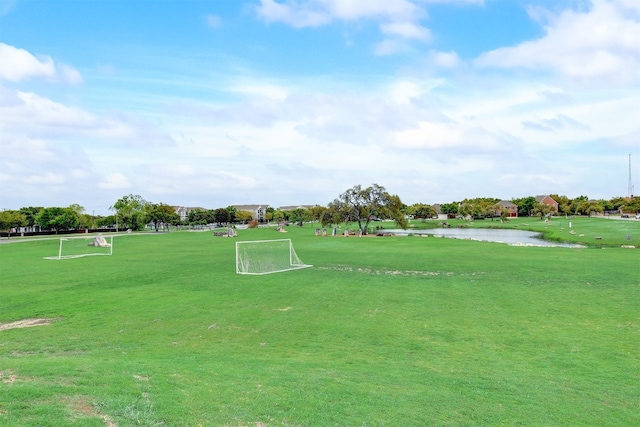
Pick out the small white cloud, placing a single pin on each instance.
(115, 181)
(266, 90)
(390, 47)
(445, 59)
(407, 30)
(294, 14)
(70, 74)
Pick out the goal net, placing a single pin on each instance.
(266, 256)
(77, 247)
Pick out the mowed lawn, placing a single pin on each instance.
(382, 331)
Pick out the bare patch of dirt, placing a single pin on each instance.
(387, 272)
(8, 377)
(26, 323)
(82, 407)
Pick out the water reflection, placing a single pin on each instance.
(510, 237)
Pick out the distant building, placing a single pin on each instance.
(547, 200)
(510, 208)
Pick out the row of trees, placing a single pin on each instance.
(357, 204)
(529, 206)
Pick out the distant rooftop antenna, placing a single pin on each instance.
(630, 183)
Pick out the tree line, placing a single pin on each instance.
(359, 205)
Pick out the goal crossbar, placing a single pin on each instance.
(266, 257)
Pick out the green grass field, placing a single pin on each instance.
(382, 331)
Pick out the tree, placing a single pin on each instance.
(84, 220)
(421, 210)
(232, 213)
(525, 205)
(317, 212)
(541, 210)
(278, 216)
(481, 207)
(105, 221)
(564, 203)
(270, 212)
(363, 205)
(222, 216)
(12, 219)
(201, 217)
(30, 215)
(130, 211)
(244, 216)
(299, 216)
(631, 205)
(159, 213)
(58, 219)
(450, 208)
(574, 206)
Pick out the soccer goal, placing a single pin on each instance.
(77, 247)
(266, 256)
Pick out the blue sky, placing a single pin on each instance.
(211, 103)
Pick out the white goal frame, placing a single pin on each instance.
(244, 266)
(108, 239)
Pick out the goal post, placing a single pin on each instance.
(77, 247)
(266, 257)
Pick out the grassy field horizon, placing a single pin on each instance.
(382, 331)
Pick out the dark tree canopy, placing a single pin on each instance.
(58, 219)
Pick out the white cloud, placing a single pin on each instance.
(444, 135)
(115, 181)
(559, 122)
(602, 42)
(29, 114)
(390, 47)
(407, 30)
(300, 14)
(292, 14)
(398, 19)
(404, 91)
(18, 64)
(445, 59)
(69, 74)
(255, 88)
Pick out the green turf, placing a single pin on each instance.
(382, 331)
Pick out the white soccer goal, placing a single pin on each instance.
(266, 256)
(77, 247)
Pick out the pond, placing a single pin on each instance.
(510, 237)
